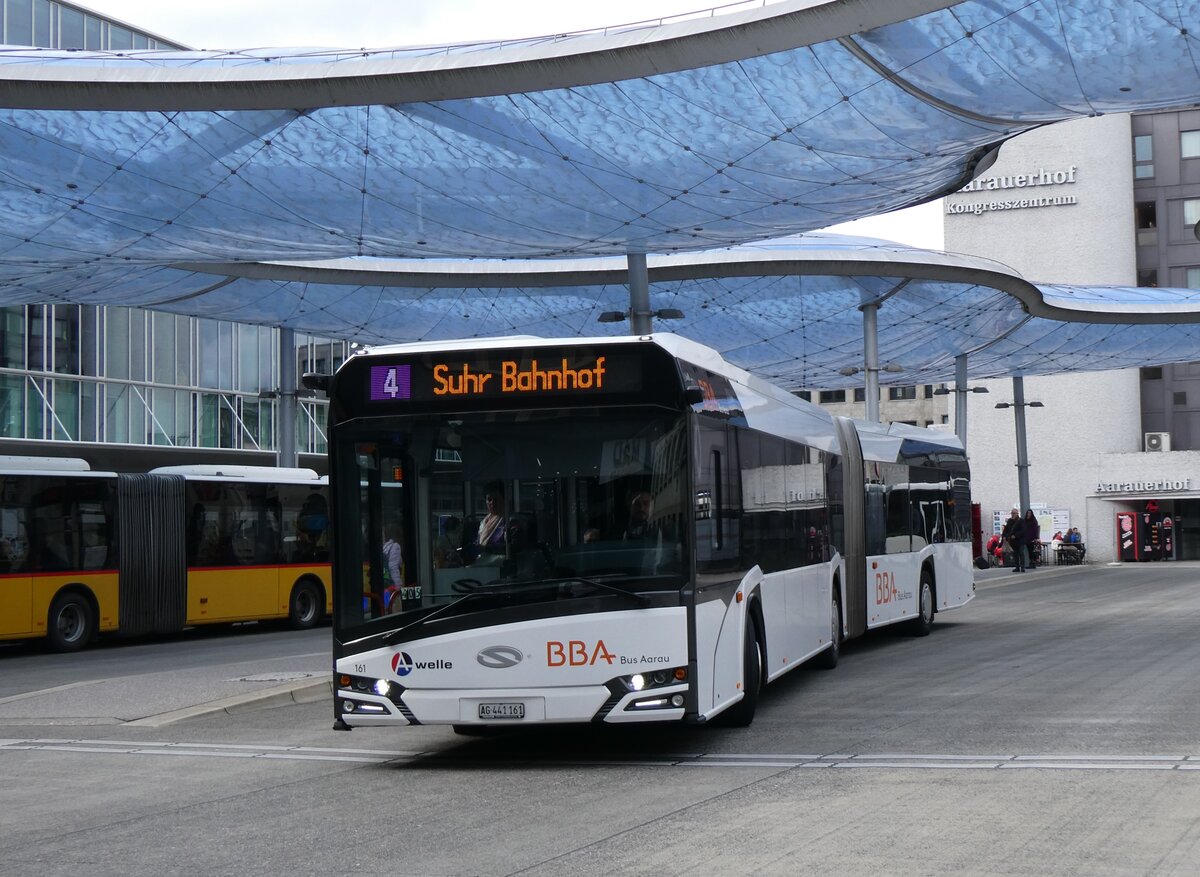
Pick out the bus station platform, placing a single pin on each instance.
(119, 690)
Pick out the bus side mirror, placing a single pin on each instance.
(316, 381)
(693, 396)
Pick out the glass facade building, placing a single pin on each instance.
(52, 25)
(130, 389)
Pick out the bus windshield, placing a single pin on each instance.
(513, 508)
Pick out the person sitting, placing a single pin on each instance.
(491, 540)
(641, 510)
(448, 546)
(995, 551)
(1076, 541)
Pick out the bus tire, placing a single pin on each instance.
(306, 605)
(828, 659)
(71, 623)
(741, 714)
(923, 623)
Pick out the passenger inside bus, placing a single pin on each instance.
(447, 551)
(491, 543)
(312, 525)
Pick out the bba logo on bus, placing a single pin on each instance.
(403, 664)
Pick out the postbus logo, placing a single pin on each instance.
(402, 664)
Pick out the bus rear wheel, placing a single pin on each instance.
(828, 659)
(305, 605)
(923, 623)
(71, 623)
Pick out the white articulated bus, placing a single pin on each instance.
(614, 530)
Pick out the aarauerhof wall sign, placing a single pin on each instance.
(1167, 485)
(1035, 178)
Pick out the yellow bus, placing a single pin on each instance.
(84, 553)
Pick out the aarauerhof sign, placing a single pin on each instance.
(1167, 485)
(1039, 177)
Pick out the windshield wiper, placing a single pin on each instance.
(396, 635)
(640, 599)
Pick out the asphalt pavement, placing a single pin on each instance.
(142, 696)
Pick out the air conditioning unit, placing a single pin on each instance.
(1158, 441)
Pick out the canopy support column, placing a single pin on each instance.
(960, 398)
(1022, 449)
(640, 322)
(870, 314)
(286, 423)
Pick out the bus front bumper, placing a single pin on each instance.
(511, 707)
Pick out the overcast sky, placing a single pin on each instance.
(240, 24)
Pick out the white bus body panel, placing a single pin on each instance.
(955, 574)
(560, 676)
(893, 581)
(720, 635)
(796, 607)
(892, 587)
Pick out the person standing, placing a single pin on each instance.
(1033, 539)
(393, 566)
(1013, 535)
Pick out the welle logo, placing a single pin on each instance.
(403, 664)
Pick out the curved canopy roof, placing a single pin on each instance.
(787, 310)
(169, 180)
(705, 133)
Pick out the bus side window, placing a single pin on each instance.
(899, 522)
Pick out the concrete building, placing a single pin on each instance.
(916, 405)
(1109, 200)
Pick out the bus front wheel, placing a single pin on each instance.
(71, 623)
(304, 608)
(741, 713)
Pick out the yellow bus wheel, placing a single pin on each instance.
(71, 623)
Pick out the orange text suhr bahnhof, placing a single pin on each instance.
(515, 379)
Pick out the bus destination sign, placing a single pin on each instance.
(443, 379)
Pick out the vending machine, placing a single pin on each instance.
(1146, 536)
(1127, 536)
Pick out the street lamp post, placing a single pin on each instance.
(1020, 405)
(960, 397)
(872, 384)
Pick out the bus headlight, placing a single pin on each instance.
(383, 687)
(656, 679)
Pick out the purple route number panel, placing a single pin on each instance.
(391, 382)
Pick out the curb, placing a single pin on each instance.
(996, 579)
(304, 691)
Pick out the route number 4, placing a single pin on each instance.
(390, 385)
(885, 587)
